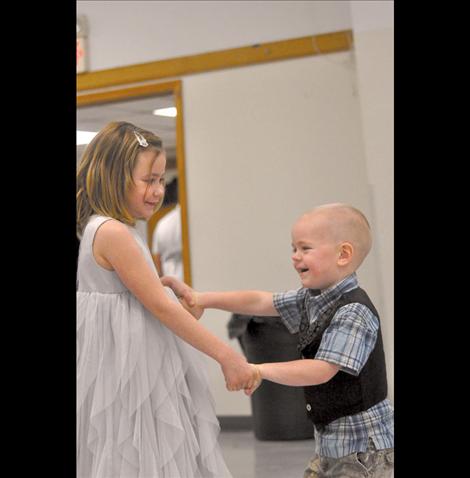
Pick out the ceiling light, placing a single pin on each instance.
(84, 137)
(170, 112)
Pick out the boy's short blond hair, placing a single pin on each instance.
(349, 224)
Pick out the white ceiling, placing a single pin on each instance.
(136, 111)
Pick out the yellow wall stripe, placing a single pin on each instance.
(217, 60)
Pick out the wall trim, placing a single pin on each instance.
(235, 422)
(217, 60)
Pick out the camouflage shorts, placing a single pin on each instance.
(369, 464)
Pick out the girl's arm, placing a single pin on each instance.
(115, 246)
(246, 302)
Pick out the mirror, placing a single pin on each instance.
(140, 105)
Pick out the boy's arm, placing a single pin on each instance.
(246, 302)
(296, 373)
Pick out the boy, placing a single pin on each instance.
(343, 366)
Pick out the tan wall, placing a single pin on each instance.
(374, 59)
(264, 144)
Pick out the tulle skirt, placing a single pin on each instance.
(144, 408)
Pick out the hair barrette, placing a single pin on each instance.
(141, 140)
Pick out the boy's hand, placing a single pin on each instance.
(256, 380)
(196, 311)
(181, 290)
(185, 294)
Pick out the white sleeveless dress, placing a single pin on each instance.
(144, 408)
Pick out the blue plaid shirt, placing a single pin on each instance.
(347, 342)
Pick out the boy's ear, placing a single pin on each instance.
(346, 251)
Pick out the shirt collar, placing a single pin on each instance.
(326, 298)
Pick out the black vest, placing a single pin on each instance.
(344, 394)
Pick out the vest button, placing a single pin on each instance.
(309, 407)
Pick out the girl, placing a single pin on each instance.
(144, 408)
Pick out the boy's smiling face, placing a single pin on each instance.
(315, 254)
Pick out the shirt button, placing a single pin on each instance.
(308, 407)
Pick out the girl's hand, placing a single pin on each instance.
(238, 372)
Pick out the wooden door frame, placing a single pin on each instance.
(155, 89)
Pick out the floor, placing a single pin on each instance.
(247, 457)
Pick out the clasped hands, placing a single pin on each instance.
(238, 373)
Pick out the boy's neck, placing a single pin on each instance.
(341, 279)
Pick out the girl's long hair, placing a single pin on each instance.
(105, 171)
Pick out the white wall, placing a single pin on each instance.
(266, 142)
(128, 32)
(373, 24)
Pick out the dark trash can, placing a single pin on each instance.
(278, 410)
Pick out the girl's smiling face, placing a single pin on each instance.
(146, 194)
